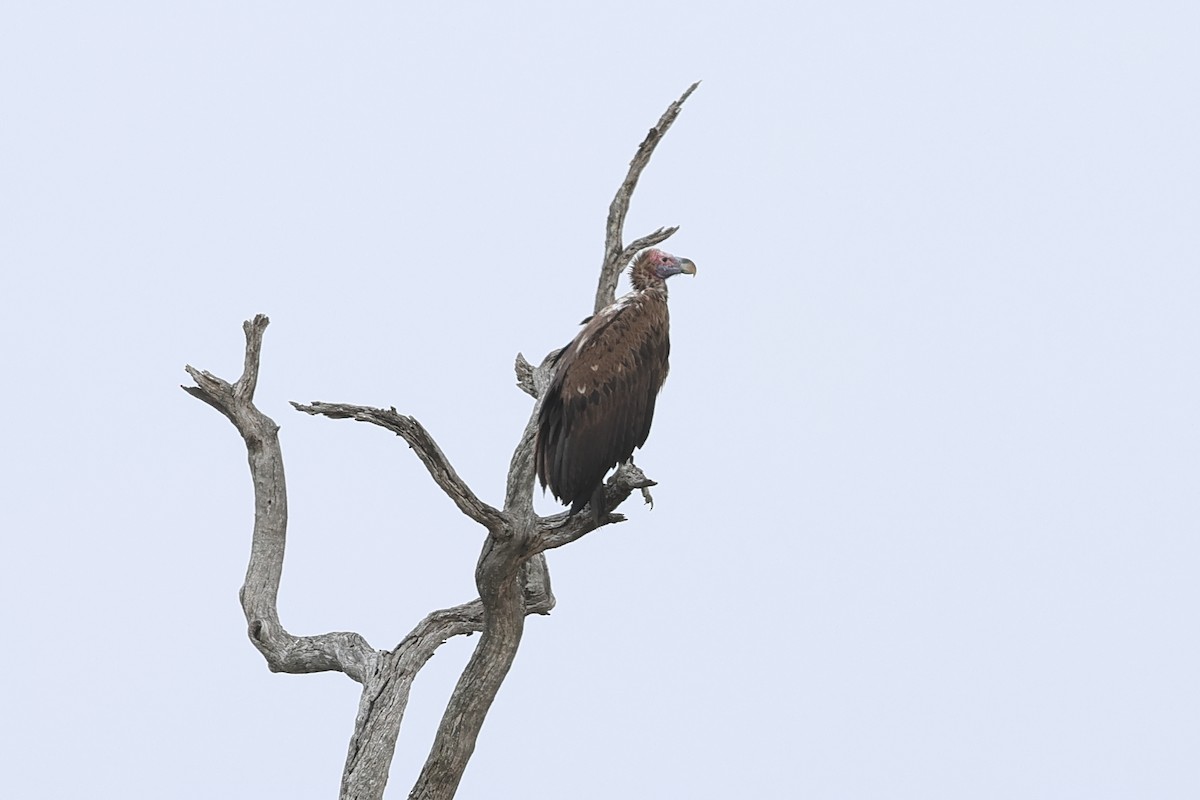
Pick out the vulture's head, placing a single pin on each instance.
(652, 268)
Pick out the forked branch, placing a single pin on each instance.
(616, 254)
(341, 651)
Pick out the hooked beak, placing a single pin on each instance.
(687, 267)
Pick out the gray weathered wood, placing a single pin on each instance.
(616, 254)
(341, 651)
(413, 432)
(511, 576)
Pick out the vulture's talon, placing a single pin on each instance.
(646, 496)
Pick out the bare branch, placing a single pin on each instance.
(615, 253)
(339, 651)
(518, 496)
(414, 433)
(561, 529)
(535, 576)
(254, 329)
(534, 380)
(344, 652)
(524, 372)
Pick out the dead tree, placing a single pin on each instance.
(511, 574)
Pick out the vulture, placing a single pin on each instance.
(600, 403)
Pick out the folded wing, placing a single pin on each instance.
(600, 404)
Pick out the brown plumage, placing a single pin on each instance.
(600, 404)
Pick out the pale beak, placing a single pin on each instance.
(686, 266)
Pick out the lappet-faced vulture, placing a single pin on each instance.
(600, 403)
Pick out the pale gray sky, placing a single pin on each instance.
(929, 457)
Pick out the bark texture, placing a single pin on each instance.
(511, 576)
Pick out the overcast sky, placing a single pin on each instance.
(928, 457)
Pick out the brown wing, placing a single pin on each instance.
(600, 405)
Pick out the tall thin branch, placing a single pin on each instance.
(616, 254)
(518, 497)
